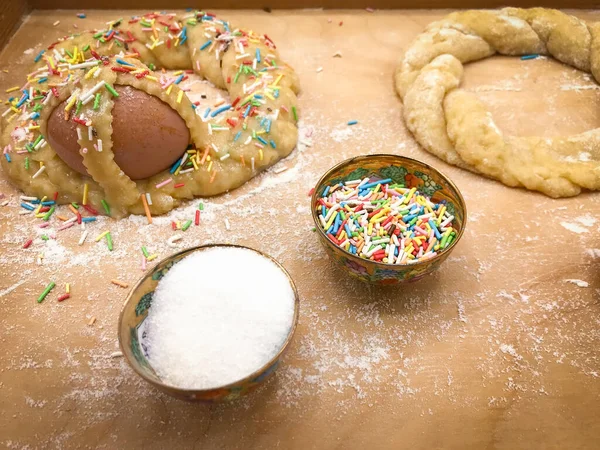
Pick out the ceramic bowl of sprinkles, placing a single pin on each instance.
(387, 219)
(209, 323)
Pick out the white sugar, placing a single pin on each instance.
(217, 316)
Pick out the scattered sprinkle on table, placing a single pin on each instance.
(83, 237)
(46, 292)
(526, 57)
(120, 283)
(171, 242)
(109, 242)
(353, 122)
(203, 331)
(101, 235)
(386, 222)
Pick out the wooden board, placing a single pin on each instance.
(329, 4)
(497, 350)
(12, 13)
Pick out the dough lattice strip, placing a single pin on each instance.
(454, 125)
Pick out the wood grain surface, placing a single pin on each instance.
(498, 350)
(328, 4)
(12, 13)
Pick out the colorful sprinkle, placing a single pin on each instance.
(37, 58)
(85, 194)
(383, 221)
(218, 111)
(49, 213)
(110, 89)
(119, 283)
(109, 242)
(123, 63)
(46, 292)
(147, 208)
(64, 297)
(164, 183)
(106, 207)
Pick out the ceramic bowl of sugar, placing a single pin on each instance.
(209, 323)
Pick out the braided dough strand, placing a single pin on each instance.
(257, 129)
(455, 126)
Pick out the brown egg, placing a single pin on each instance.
(148, 135)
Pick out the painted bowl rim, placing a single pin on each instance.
(191, 392)
(346, 162)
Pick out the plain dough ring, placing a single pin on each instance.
(455, 126)
(257, 130)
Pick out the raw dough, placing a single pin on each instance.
(455, 126)
(258, 130)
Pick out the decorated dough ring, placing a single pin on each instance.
(455, 126)
(229, 144)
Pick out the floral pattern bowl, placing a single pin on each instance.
(131, 335)
(402, 170)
